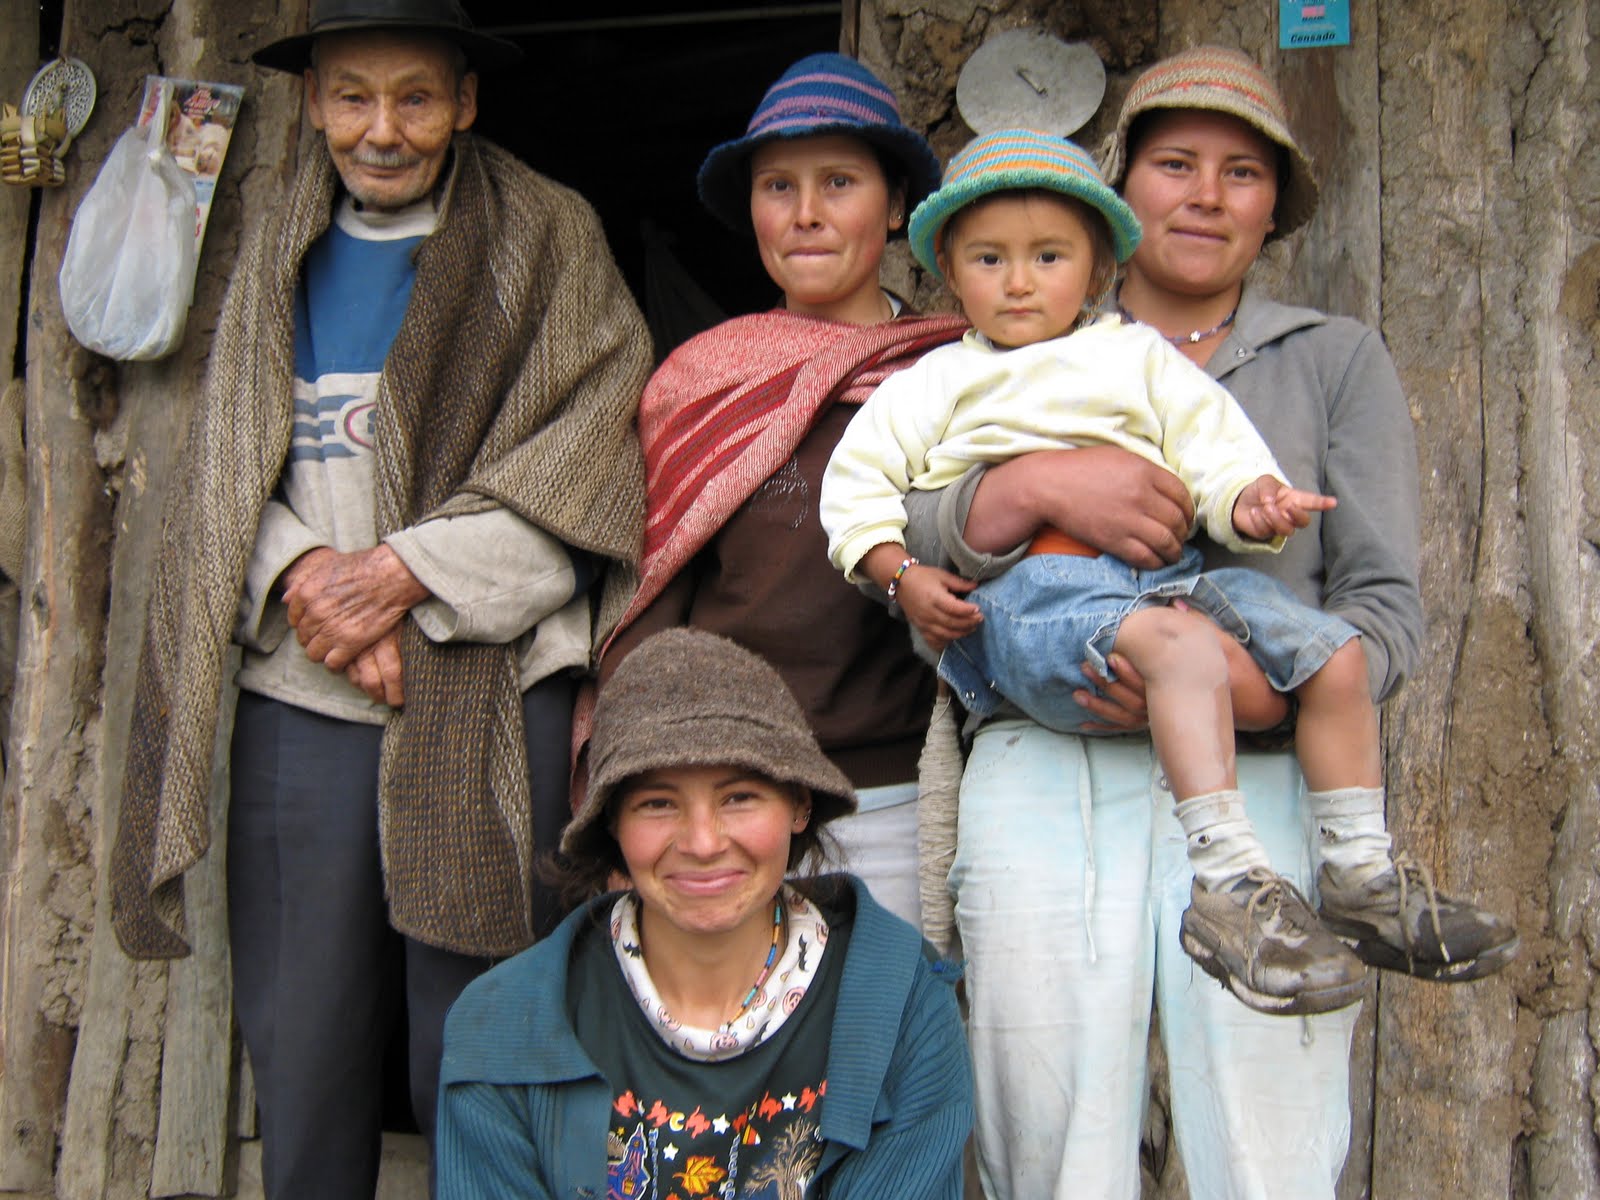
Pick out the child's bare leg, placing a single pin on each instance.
(1186, 693)
(1336, 740)
(1244, 924)
(1336, 736)
(1191, 723)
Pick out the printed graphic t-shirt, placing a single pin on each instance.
(680, 1128)
(349, 304)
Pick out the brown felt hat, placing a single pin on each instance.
(687, 698)
(442, 18)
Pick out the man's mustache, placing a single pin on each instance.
(384, 158)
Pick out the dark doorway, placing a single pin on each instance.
(621, 99)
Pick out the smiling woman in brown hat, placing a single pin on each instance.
(712, 1024)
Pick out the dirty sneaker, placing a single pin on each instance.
(1261, 940)
(1399, 922)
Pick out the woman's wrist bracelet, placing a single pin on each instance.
(899, 573)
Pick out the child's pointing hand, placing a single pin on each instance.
(1269, 508)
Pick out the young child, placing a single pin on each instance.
(1027, 236)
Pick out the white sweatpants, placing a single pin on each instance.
(1070, 878)
(879, 843)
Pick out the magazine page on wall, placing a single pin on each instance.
(200, 119)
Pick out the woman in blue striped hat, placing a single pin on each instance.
(738, 423)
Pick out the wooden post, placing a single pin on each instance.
(1559, 299)
(179, 1144)
(1477, 226)
(48, 830)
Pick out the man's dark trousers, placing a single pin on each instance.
(317, 971)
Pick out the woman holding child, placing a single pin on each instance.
(738, 423)
(1071, 875)
(630, 1053)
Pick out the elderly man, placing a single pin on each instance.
(411, 491)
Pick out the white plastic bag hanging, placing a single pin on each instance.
(128, 274)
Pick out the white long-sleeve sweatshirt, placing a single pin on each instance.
(1111, 383)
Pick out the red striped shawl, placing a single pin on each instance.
(728, 408)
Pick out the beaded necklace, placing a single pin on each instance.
(766, 967)
(803, 936)
(1193, 336)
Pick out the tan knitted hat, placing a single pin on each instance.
(1217, 79)
(687, 698)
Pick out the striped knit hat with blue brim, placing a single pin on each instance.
(1220, 79)
(819, 95)
(1013, 160)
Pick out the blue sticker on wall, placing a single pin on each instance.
(1321, 23)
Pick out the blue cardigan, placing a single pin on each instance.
(523, 1113)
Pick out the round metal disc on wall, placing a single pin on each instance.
(1027, 79)
(66, 84)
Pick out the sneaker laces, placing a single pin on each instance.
(1405, 866)
(1274, 888)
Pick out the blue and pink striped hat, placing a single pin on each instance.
(1019, 160)
(820, 94)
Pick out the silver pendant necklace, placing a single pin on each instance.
(1193, 336)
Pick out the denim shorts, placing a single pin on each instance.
(1050, 613)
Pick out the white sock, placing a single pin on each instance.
(1223, 847)
(1352, 836)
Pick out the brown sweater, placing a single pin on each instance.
(764, 580)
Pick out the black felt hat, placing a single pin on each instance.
(443, 18)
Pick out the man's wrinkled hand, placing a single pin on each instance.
(378, 673)
(342, 604)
